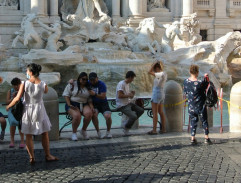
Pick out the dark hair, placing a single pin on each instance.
(194, 69)
(16, 81)
(35, 69)
(130, 74)
(82, 74)
(159, 65)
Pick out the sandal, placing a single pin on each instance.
(32, 161)
(151, 133)
(49, 159)
(11, 145)
(21, 146)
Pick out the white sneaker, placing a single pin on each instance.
(84, 134)
(74, 137)
(126, 132)
(99, 135)
(2, 135)
(108, 135)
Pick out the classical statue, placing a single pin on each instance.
(86, 9)
(53, 43)
(171, 32)
(27, 34)
(9, 2)
(192, 26)
(144, 39)
(155, 4)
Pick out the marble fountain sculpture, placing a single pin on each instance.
(86, 40)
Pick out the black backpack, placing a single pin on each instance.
(211, 95)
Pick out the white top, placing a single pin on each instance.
(35, 119)
(122, 86)
(82, 97)
(160, 79)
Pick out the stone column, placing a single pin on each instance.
(54, 9)
(115, 8)
(221, 24)
(135, 8)
(125, 8)
(37, 7)
(26, 6)
(187, 7)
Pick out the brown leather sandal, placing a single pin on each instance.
(48, 159)
(151, 133)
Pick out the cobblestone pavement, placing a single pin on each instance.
(167, 160)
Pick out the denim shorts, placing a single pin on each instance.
(158, 95)
(75, 104)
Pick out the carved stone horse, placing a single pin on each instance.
(144, 40)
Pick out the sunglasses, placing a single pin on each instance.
(84, 79)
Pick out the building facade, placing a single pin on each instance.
(217, 17)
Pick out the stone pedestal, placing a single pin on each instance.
(174, 114)
(235, 111)
(51, 104)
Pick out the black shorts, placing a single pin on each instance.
(1, 115)
(103, 107)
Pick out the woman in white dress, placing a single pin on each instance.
(35, 120)
(158, 95)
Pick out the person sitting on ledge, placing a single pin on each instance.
(123, 94)
(16, 82)
(78, 103)
(98, 93)
(2, 122)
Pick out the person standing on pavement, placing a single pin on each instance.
(78, 103)
(2, 122)
(195, 91)
(98, 91)
(123, 96)
(16, 82)
(158, 96)
(35, 120)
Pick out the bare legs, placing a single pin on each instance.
(76, 117)
(96, 121)
(158, 109)
(88, 113)
(108, 120)
(12, 134)
(30, 147)
(3, 123)
(45, 144)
